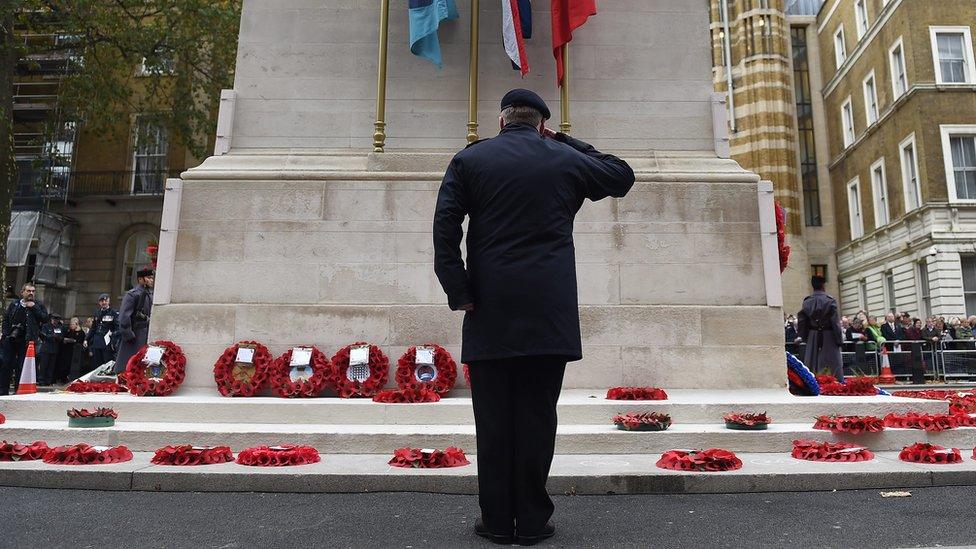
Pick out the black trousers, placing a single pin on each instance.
(47, 365)
(10, 369)
(515, 419)
(99, 357)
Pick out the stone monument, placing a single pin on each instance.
(299, 230)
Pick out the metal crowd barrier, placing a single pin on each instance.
(958, 359)
(945, 360)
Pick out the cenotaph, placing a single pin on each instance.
(312, 222)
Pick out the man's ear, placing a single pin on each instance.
(501, 123)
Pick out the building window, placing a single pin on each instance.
(969, 282)
(909, 174)
(819, 270)
(854, 208)
(959, 151)
(149, 156)
(899, 79)
(804, 128)
(840, 50)
(889, 279)
(952, 51)
(134, 258)
(879, 189)
(862, 291)
(925, 299)
(861, 17)
(847, 122)
(870, 99)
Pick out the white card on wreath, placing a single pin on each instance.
(154, 354)
(359, 355)
(108, 338)
(246, 355)
(301, 356)
(425, 355)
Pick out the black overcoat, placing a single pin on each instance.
(818, 323)
(133, 330)
(520, 192)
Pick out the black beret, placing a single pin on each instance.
(817, 281)
(525, 98)
(146, 272)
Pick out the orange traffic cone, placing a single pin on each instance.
(28, 376)
(886, 377)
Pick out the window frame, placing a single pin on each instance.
(924, 291)
(855, 209)
(872, 99)
(849, 136)
(879, 194)
(905, 183)
(135, 153)
(898, 45)
(861, 28)
(969, 64)
(840, 55)
(889, 286)
(948, 131)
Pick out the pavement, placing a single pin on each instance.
(50, 518)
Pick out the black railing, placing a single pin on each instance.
(54, 185)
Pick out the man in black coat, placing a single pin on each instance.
(21, 325)
(818, 323)
(892, 330)
(134, 318)
(106, 322)
(52, 336)
(521, 191)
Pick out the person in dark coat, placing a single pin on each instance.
(104, 325)
(21, 325)
(74, 350)
(134, 318)
(52, 335)
(818, 324)
(521, 191)
(892, 330)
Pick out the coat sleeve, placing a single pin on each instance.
(448, 216)
(835, 323)
(803, 324)
(40, 313)
(90, 336)
(604, 174)
(125, 317)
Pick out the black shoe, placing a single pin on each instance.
(502, 539)
(547, 532)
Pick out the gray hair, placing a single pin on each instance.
(521, 115)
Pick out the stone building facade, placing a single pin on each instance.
(900, 99)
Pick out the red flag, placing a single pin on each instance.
(567, 16)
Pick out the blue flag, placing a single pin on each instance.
(425, 17)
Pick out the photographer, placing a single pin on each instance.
(134, 318)
(21, 325)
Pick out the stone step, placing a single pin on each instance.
(576, 407)
(571, 474)
(367, 439)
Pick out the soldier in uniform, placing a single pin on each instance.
(134, 318)
(52, 336)
(21, 325)
(819, 326)
(521, 191)
(98, 341)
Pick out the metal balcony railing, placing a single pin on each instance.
(54, 184)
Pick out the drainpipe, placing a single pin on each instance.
(724, 8)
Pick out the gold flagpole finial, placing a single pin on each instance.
(379, 133)
(473, 75)
(564, 125)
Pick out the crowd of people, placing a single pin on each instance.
(874, 331)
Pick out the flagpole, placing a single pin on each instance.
(473, 75)
(564, 125)
(379, 133)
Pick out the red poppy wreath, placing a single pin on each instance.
(83, 454)
(710, 460)
(853, 387)
(406, 396)
(636, 393)
(306, 378)
(854, 425)
(278, 456)
(738, 421)
(429, 459)
(437, 371)
(95, 387)
(925, 422)
(2, 419)
(642, 421)
(366, 377)
(11, 451)
(922, 452)
(185, 454)
(160, 379)
(811, 450)
(243, 369)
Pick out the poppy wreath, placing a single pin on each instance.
(284, 386)
(811, 450)
(747, 422)
(853, 387)
(643, 421)
(826, 378)
(710, 460)
(467, 374)
(185, 454)
(379, 372)
(95, 387)
(965, 420)
(83, 454)
(922, 452)
(445, 371)
(97, 412)
(925, 422)
(636, 393)
(802, 382)
(3, 419)
(406, 396)
(962, 404)
(429, 459)
(854, 425)
(246, 385)
(11, 451)
(931, 394)
(278, 456)
(173, 359)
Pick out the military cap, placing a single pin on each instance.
(818, 281)
(525, 98)
(102, 296)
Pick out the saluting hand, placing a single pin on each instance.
(548, 132)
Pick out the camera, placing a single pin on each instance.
(17, 331)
